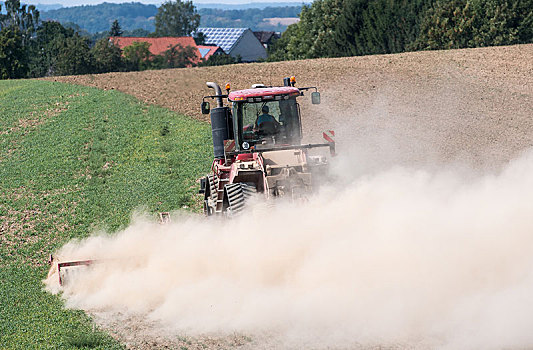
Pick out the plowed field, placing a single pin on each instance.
(472, 105)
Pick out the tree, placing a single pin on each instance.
(137, 56)
(178, 56)
(176, 18)
(312, 36)
(13, 58)
(447, 25)
(454, 24)
(503, 22)
(45, 47)
(199, 38)
(378, 27)
(74, 57)
(278, 50)
(319, 21)
(115, 29)
(107, 56)
(25, 18)
(139, 33)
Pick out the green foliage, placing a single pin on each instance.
(178, 56)
(23, 17)
(278, 51)
(45, 48)
(378, 27)
(34, 319)
(472, 23)
(219, 60)
(139, 33)
(176, 18)
(137, 55)
(448, 25)
(115, 29)
(312, 36)
(76, 28)
(18, 25)
(13, 58)
(74, 57)
(107, 56)
(199, 38)
(317, 29)
(84, 340)
(50, 30)
(330, 28)
(74, 159)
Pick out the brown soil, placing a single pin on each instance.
(472, 106)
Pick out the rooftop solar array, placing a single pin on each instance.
(223, 37)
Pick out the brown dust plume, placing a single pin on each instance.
(402, 255)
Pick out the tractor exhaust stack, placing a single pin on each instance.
(218, 93)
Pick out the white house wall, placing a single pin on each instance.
(249, 48)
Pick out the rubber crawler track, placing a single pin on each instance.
(236, 195)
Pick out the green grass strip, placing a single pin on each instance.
(72, 160)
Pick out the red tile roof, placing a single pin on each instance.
(157, 45)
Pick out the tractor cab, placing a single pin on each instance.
(266, 116)
(258, 119)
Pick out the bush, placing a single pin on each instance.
(220, 60)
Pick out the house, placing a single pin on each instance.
(236, 42)
(157, 45)
(208, 51)
(266, 38)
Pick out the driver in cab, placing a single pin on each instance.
(266, 123)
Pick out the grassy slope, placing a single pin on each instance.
(74, 159)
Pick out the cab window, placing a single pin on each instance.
(283, 121)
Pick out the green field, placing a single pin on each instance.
(73, 160)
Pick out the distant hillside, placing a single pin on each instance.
(47, 7)
(254, 18)
(255, 5)
(98, 18)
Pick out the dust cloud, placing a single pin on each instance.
(401, 256)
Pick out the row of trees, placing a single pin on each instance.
(334, 28)
(31, 48)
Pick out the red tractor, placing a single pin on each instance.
(257, 147)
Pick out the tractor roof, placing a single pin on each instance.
(260, 94)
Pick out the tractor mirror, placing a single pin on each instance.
(205, 107)
(315, 98)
